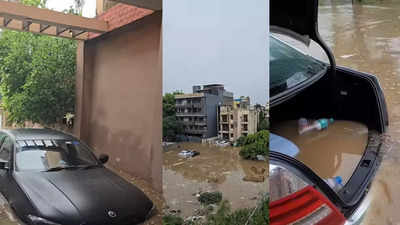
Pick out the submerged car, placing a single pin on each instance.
(51, 178)
(302, 86)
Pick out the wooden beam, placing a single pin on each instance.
(6, 21)
(60, 30)
(43, 27)
(26, 24)
(77, 33)
(17, 11)
(36, 28)
(147, 4)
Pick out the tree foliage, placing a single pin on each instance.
(37, 75)
(263, 122)
(254, 144)
(37, 3)
(171, 126)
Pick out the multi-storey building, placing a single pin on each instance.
(198, 111)
(237, 119)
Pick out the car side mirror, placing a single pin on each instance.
(103, 158)
(3, 165)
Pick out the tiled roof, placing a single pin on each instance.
(120, 15)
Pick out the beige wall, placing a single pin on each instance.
(119, 95)
(235, 124)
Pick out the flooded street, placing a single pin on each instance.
(215, 169)
(340, 159)
(366, 36)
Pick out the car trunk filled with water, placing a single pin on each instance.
(349, 146)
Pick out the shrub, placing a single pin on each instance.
(253, 216)
(254, 144)
(172, 220)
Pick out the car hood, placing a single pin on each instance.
(298, 19)
(84, 196)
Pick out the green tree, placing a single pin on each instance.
(171, 126)
(263, 123)
(37, 3)
(254, 144)
(37, 75)
(76, 8)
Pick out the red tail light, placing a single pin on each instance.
(307, 206)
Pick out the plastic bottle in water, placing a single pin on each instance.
(335, 183)
(319, 124)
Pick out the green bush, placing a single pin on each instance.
(224, 216)
(254, 144)
(172, 220)
(254, 216)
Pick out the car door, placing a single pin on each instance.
(5, 156)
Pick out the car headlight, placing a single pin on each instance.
(40, 221)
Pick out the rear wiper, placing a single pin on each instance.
(58, 168)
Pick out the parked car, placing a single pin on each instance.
(302, 86)
(51, 178)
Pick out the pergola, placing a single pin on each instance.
(16, 16)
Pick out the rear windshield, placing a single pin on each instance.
(289, 67)
(41, 155)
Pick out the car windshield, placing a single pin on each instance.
(44, 155)
(289, 67)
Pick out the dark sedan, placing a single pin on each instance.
(51, 178)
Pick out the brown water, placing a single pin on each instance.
(334, 151)
(215, 169)
(366, 36)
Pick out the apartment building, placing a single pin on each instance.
(237, 119)
(198, 110)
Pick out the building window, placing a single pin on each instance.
(245, 118)
(231, 117)
(224, 118)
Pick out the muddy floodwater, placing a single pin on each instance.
(366, 36)
(334, 151)
(215, 169)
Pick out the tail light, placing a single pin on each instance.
(306, 206)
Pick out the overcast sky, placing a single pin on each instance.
(216, 41)
(89, 9)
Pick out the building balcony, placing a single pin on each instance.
(193, 122)
(196, 114)
(195, 131)
(188, 105)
